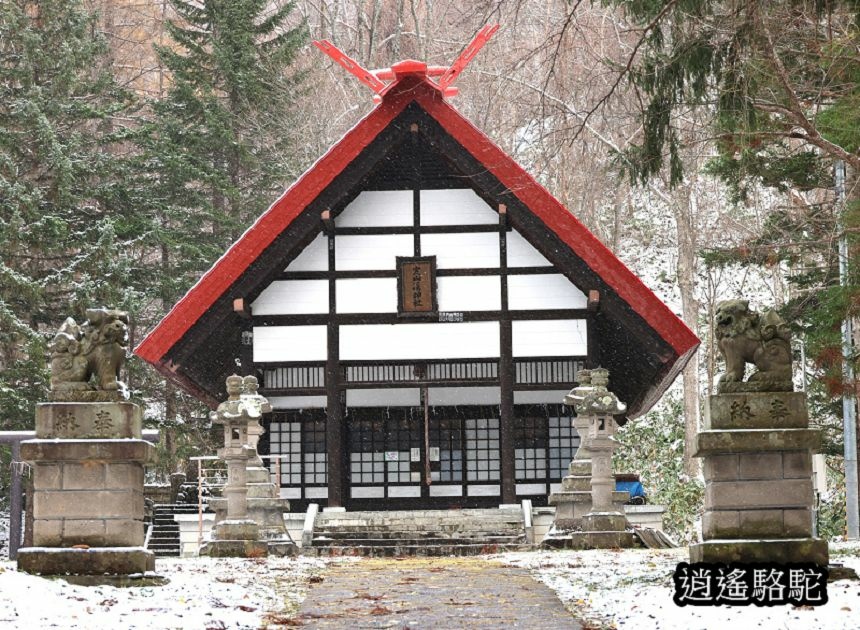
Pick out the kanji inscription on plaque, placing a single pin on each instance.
(416, 285)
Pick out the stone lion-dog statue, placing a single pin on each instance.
(94, 351)
(764, 340)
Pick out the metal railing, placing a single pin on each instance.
(216, 478)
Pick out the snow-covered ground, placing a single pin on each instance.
(203, 593)
(607, 589)
(633, 589)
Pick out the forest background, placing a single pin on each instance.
(696, 138)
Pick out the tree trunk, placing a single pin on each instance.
(683, 207)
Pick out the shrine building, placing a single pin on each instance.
(416, 306)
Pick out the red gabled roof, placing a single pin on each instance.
(412, 85)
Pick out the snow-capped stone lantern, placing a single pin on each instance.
(237, 535)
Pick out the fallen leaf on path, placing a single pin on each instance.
(282, 621)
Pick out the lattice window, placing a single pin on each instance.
(563, 443)
(380, 446)
(285, 439)
(546, 371)
(530, 447)
(315, 456)
(297, 377)
(446, 435)
(482, 449)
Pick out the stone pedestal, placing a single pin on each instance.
(88, 464)
(757, 453)
(237, 535)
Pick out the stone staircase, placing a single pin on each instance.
(164, 540)
(419, 533)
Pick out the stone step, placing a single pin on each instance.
(416, 550)
(425, 523)
(157, 535)
(323, 541)
(410, 514)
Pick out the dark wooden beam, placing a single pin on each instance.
(506, 374)
(334, 434)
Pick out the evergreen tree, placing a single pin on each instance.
(67, 237)
(62, 217)
(216, 153)
(781, 78)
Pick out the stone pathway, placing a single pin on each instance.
(429, 593)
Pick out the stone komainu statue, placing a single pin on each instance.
(94, 351)
(764, 340)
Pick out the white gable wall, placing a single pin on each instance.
(419, 341)
(292, 297)
(455, 207)
(378, 208)
(456, 294)
(314, 257)
(371, 251)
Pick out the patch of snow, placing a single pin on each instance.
(632, 589)
(202, 593)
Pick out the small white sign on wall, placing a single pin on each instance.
(392, 456)
(415, 455)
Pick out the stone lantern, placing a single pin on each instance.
(589, 511)
(255, 497)
(237, 535)
(601, 406)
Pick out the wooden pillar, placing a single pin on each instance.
(592, 360)
(506, 374)
(334, 433)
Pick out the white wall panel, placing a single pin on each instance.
(316, 493)
(531, 488)
(366, 295)
(445, 396)
(540, 396)
(371, 251)
(461, 206)
(290, 493)
(292, 297)
(289, 343)
(543, 291)
(298, 402)
(367, 492)
(419, 341)
(378, 208)
(550, 337)
(469, 293)
(398, 492)
(522, 254)
(446, 491)
(314, 257)
(406, 397)
(467, 251)
(484, 491)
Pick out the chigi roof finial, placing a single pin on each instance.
(376, 79)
